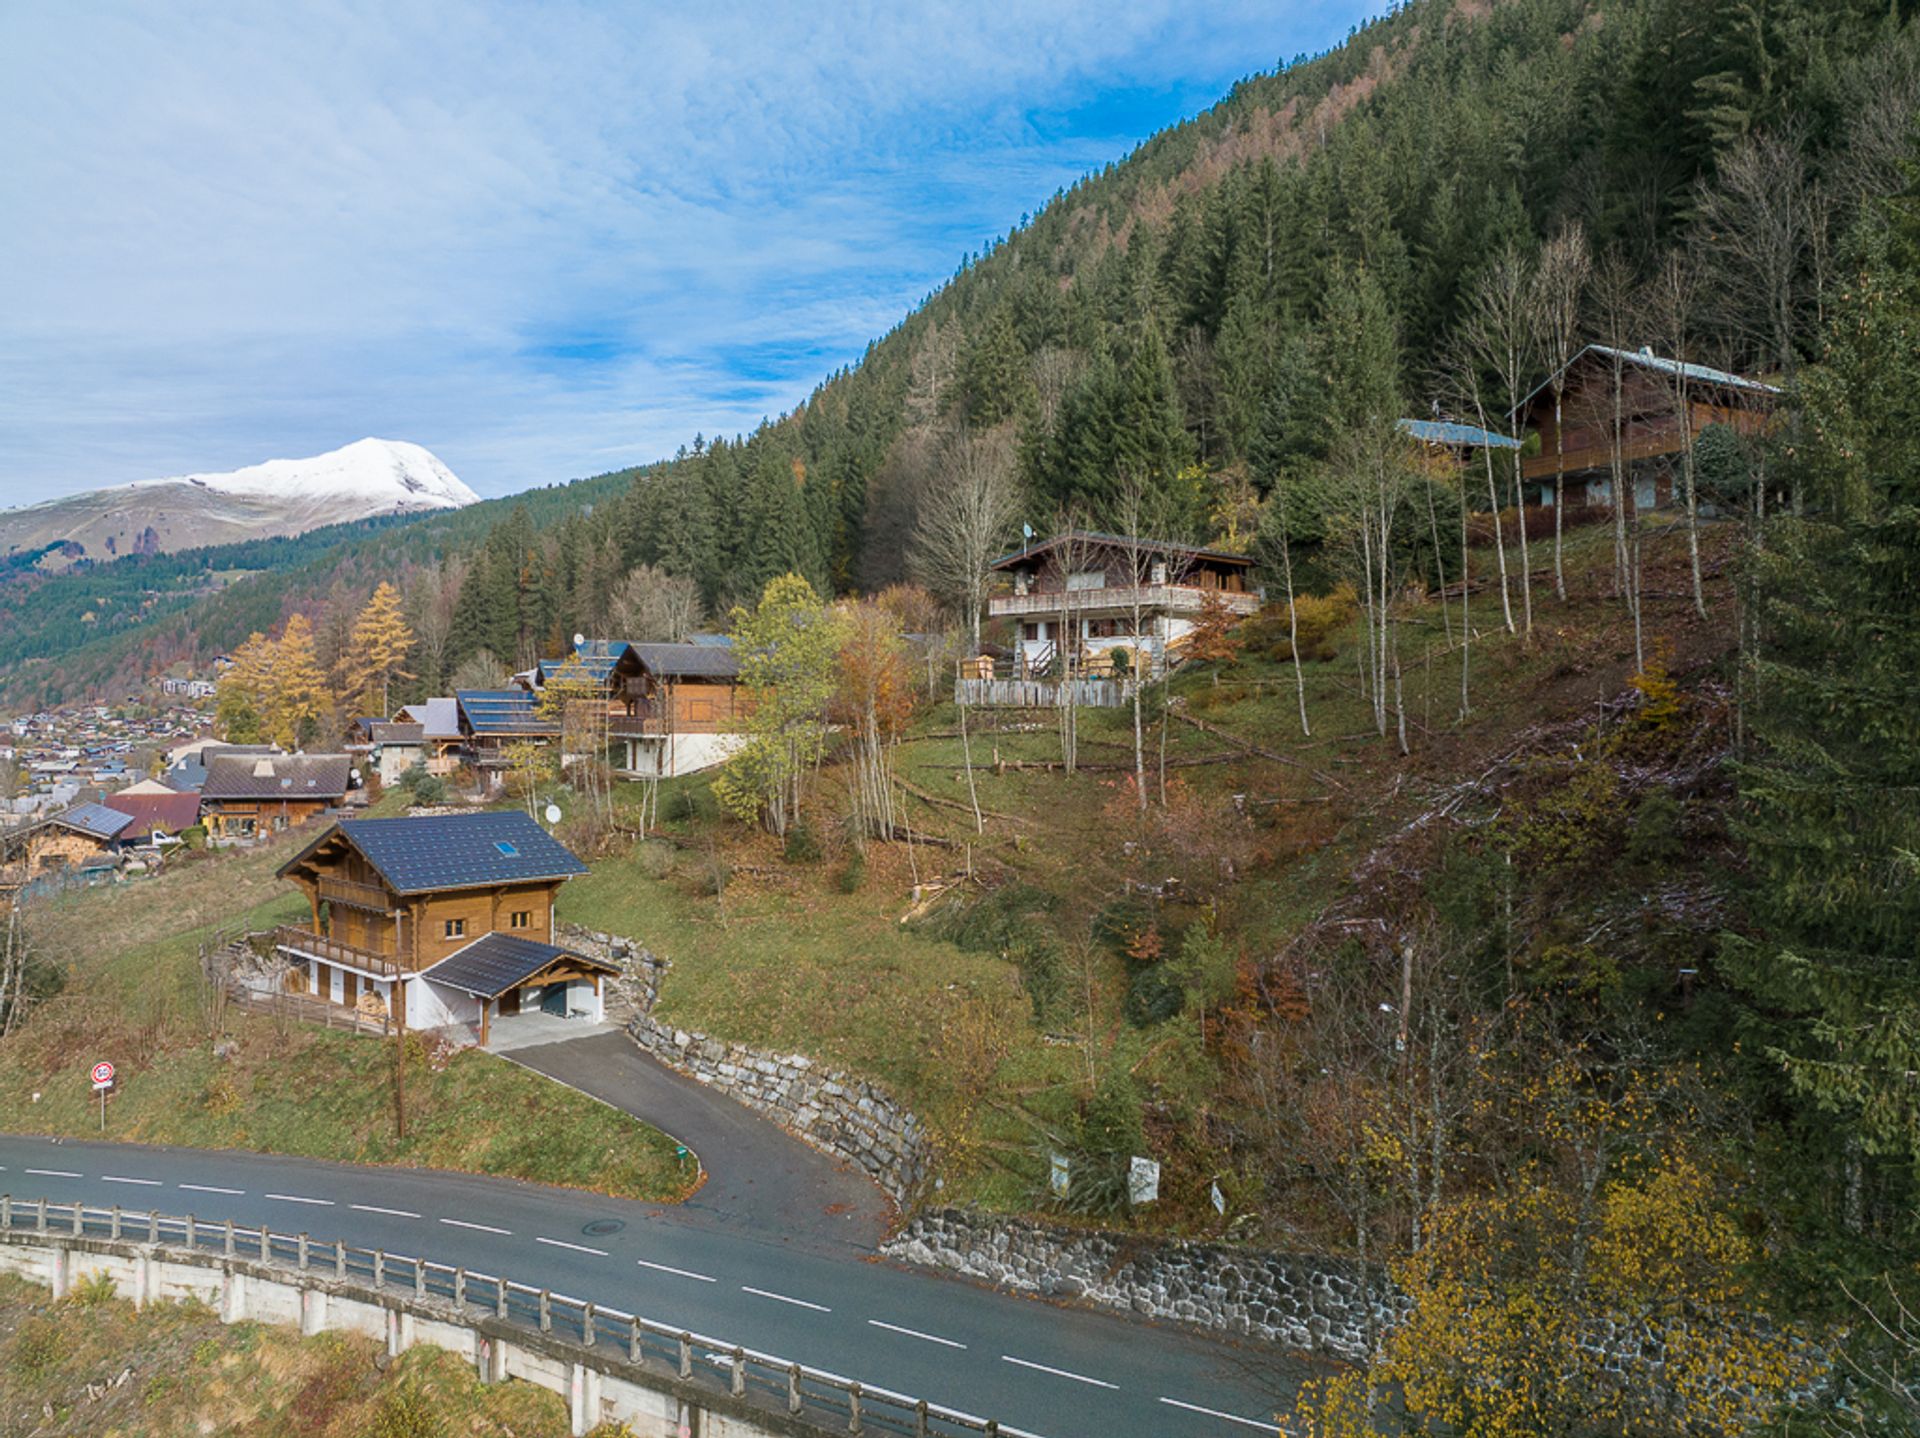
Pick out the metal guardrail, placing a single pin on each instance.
(810, 1394)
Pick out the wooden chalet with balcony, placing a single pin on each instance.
(494, 721)
(1664, 406)
(246, 795)
(456, 910)
(668, 708)
(1109, 605)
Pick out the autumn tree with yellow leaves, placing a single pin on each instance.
(378, 649)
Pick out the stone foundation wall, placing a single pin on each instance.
(1319, 1305)
(847, 1117)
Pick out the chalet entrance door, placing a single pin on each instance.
(510, 1002)
(336, 985)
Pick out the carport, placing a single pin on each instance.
(506, 976)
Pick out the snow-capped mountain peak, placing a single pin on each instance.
(369, 476)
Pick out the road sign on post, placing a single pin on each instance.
(102, 1081)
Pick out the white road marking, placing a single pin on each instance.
(297, 1198)
(576, 1247)
(116, 1178)
(482, 1227)
(782, 1298)
(1229, 1417)
(678, 1272)
(1059, 1372)
(390, 1212)
(208, 1188)
(53, 1172)
(916, 1333)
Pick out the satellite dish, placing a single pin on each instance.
(553, 813)
(579, 641)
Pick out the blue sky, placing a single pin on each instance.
(542, 240)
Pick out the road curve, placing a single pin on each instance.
(760, 1179)
(1053, 1372)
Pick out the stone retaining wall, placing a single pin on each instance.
(1314, 1304)
(847, 1117)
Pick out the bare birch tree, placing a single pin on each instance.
(1672, 298)
(1614, 294)
(1559, 282)
(1497, 344)
(1136, 520)
(966, 520)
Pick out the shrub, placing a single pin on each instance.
(36, 1348)
(803, 845)
(1320, 619)
(406, 1412)
(431, 789)
(853, 873)
(93, 1290)
(1043, 973)
(653, 858)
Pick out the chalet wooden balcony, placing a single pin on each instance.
(1155, 598)
(355, 895)
(308, 944)
(634, 726)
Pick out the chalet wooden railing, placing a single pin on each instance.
(356, 895)
(336, 951)
(1174, 598)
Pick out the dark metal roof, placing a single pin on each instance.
(94, 819)
(688, 661)
(1446, 431)
(1646, 359)
(277, 776)
(383, 732)
(1099, 538)
(454, 851)
(503, 712)
(494, 963)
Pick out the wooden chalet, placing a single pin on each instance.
(77, 845)
(441, 741)
(1079, 589)
(669, 708)
(1654, 428)
(246, 795)
(456, 910)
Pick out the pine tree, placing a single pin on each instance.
(380, 644)
(1827, 809)
(994, 378)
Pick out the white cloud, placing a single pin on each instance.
(541, 240)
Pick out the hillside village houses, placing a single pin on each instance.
(454, 911)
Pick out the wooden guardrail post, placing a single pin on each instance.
(189, 1230)
(500, 1297)
(634, 1354)
(460, 1290)
(153, 1225)
(794, 1400)
(339, 1259)
(78, 1213)
(266, 1245)
(379, 1267)
(586, 1325)
(227, 1239)
(546, 1311)
(853, 1409)
(920, 1419)
(419, 1278)
(40, 1217)
(686, 1355)
(6, 1210)
(113, 1222)
(304, 1256)
(739, 1383)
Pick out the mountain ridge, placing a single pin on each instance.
(366, 479)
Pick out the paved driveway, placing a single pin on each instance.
(760, 1179)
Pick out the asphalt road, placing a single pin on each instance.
(759, 1180)
(1053, 1372)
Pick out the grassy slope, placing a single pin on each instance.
(788, 960)
(184, 1372)
(133, 995)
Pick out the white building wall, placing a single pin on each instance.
(676, 754)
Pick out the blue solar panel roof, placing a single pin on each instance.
(503, 711)
(494, 963)
(95, 819)
(456, 851)
(1440, 431)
